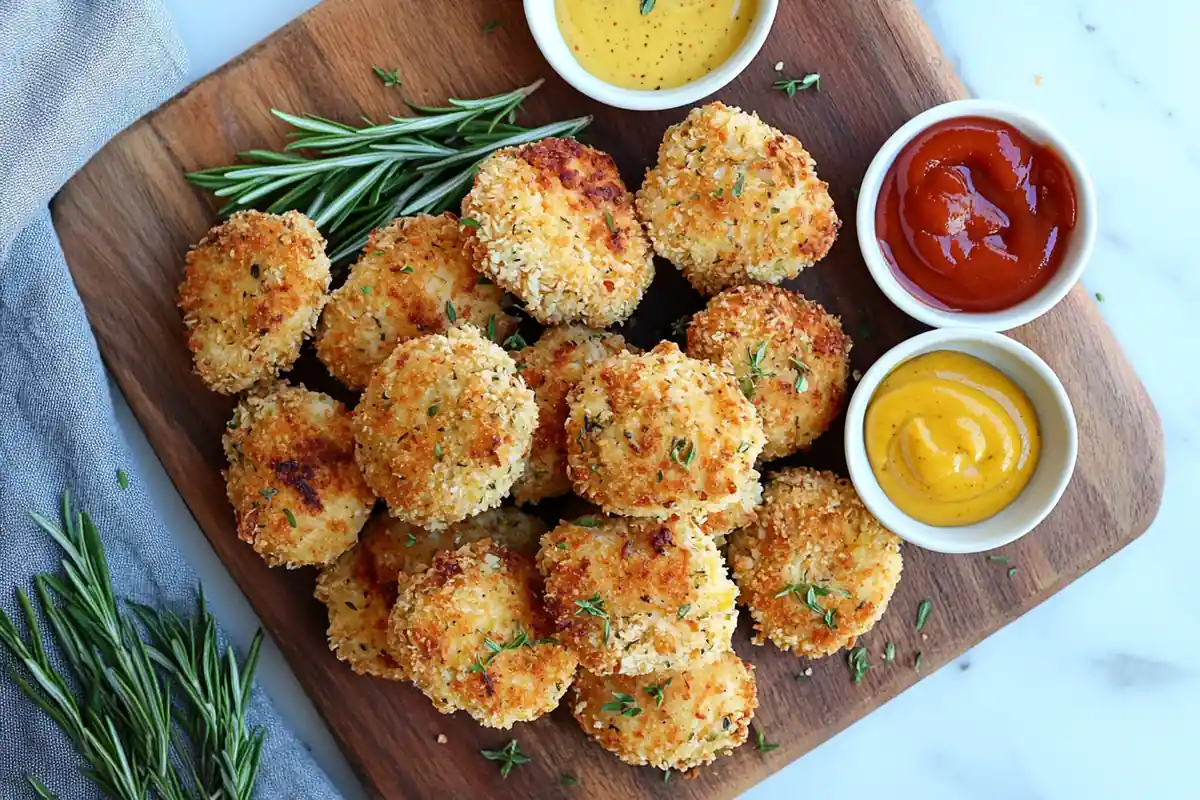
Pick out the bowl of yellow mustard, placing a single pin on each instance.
(646, 55)
(960, 440)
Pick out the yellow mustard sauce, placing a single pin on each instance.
(951, 439)
(675, 43)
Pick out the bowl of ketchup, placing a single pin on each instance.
(977, 214)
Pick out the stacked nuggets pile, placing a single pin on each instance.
(479, 605)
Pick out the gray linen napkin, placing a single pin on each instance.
(73, 73)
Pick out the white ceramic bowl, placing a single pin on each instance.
(544, 25)
(1056, 421)
(1079, 246)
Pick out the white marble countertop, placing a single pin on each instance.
(1096, 693)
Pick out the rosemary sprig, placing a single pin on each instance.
(164, 715)
(353, 179)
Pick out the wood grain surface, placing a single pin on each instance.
(127, 219)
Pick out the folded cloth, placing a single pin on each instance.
(73, 73)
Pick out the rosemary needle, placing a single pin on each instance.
(354, 179)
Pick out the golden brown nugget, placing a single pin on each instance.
(474, 637)
(444, 428)
(360, 588)
(816, 569)
(551, 367)
(658, 434)
(252, 291)
(672, 719)
(298, 496)
(413, 277)
(789, 356)
(733, 200)
(636, 596)
(553, 223)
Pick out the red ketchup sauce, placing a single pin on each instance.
(974, 216)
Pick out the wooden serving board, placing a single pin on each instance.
(127, 219)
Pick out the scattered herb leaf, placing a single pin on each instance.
(1099, 297)
(515, 342)
(433, 409)
(594, 607)
(608, 220)
(412, 539)
(917, 662)
(790, 86)
(658, 692)
(389, 77)
(889, 652)
(647, 6)
(857, 659)
(406, 269)
(451, 314)
(470, 223)
(491, 328)
(509, 757)
(568, 780)
(1001, 559)
(624, 705)
(491, 25)
(122, 479)
(923, 613)
(683, 610)
(1012, 571)
(760, 742)
(291, 518)
(739, 184)
(587, 522)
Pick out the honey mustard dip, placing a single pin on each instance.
(638, 44)
(951, 439)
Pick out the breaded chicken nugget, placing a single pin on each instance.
(252, 291)
(551, 367)
(733, 200)
(635, 596)
(361, 587)
(412, 278)
(816, 569)
(474, 637)
(298, 496)
(789, 356)
(553, 223)
(659, 434)
(672, 719)
(444, 428)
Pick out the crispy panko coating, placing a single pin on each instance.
(551, 367)
(658, 434)
(298, 496)
(789, 356)
(361, 587)
(816, 569)
(733, 200)
(671, 719)
(553, 223)
(637, 595)
(252, 291)
(414, 277)
(473, 635)
(444, 428)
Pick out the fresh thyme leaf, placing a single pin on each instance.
(268, 493)
(406, 269)
(679, 326)
(412, 539)
(366, 290)
(389, 77)
(679, 455)
(790, 86)
(889, 652)
(647, 6)
(587, 522)
(808, 593)
(451, 314)
(760, 742)
(594, 607)
(433, 410)
(624, 705)
(437, 452)
(1099, 297)
(1000, 559)
(608, 220)
(568, 780)
(658, 692)
(857, 658)
(739, 184)
(491, 328)
(666, 776)
(1012, 571)
(352, 179)
(683, 610)
(515, 342)
(923, 613)
(917, 661)
(473, 224)
(802, 371)
(562, 545)
(743, 447)
(491, 25)
(122, 479)
(510, 756)
(291, 518)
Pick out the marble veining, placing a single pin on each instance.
(1096, 693)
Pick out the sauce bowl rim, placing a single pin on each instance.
(990, 533)
(543, 24)
(1074, 262)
